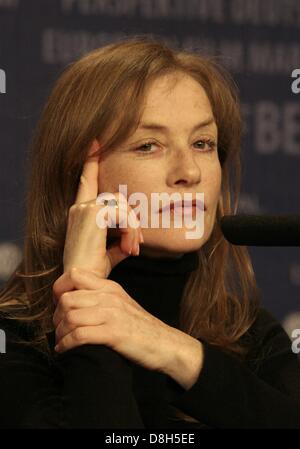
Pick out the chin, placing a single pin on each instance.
(173, 241)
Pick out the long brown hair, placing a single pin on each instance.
(221, 298)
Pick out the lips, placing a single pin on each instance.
(184, 204)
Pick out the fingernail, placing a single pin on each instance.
(137, 250)
(141, 237)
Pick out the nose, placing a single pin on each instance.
(184, 169)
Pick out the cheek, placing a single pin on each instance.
(213, 183)
(115, 172)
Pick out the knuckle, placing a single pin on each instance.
(115, 285)
(79, 334)
(70, 317)
(74, 273)
(65, 299)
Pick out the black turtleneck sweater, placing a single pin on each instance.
(92, 386)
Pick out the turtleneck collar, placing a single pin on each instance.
(159, 266)
(156, 283)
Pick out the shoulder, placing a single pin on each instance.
(27, 376)
(267, 328)
(270, 344)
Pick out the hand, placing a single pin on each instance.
(85, 244)
(93, 310)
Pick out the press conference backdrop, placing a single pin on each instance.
(257, 41)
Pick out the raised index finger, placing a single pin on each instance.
(88, 185)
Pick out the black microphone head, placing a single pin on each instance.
(261, 230)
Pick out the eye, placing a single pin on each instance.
(211, 143)
(145, 147)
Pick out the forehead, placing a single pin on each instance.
(176, 90)
(176, 98)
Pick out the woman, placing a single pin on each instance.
(123, 324)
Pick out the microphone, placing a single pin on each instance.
(261, 230)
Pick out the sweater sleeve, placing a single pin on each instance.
(261, 393)
(89, 386)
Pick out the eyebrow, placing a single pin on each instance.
(156, 126)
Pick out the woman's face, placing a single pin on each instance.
(179, 160)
